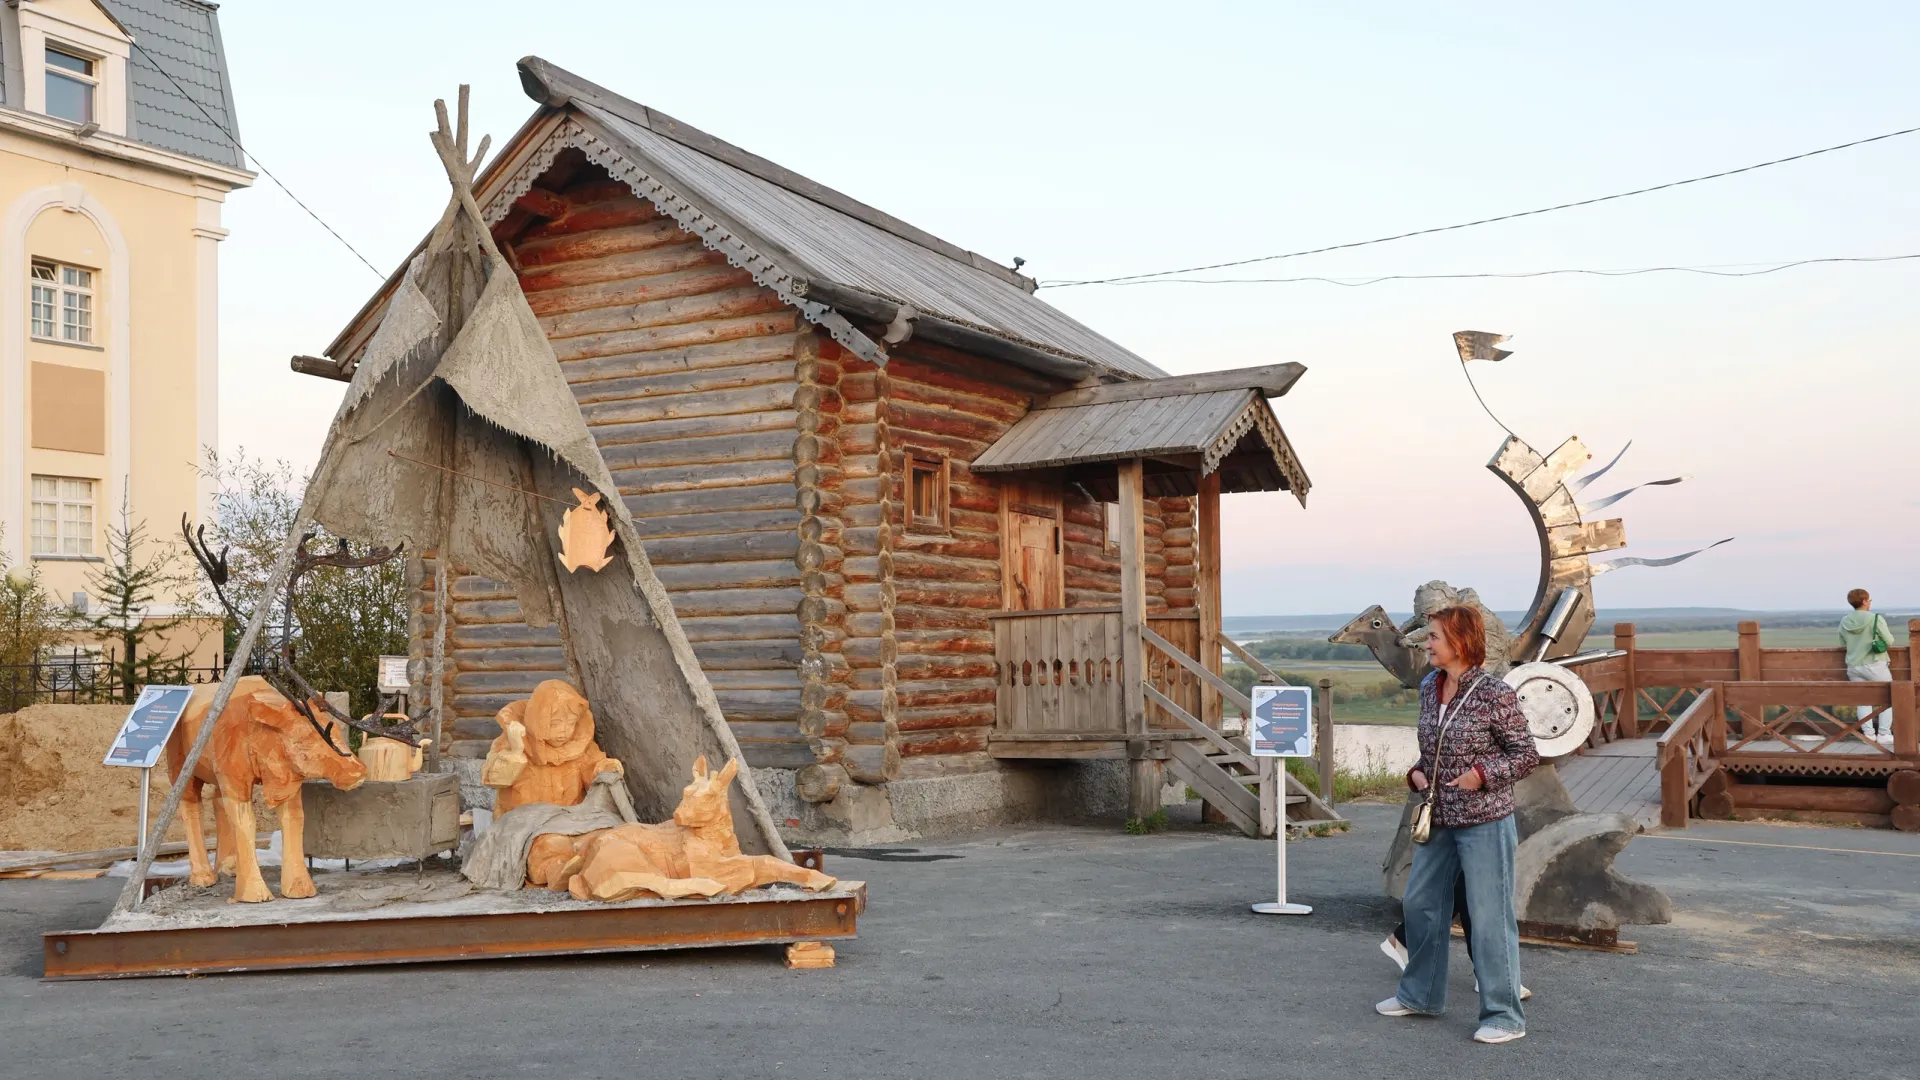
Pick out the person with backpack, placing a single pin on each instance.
(1867, 639)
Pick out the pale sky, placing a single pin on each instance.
(1104, 139)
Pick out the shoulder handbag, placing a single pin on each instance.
(1422, 828)
(1880, 643)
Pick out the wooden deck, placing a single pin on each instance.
(1617, 777)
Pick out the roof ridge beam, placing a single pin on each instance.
(1272, 380)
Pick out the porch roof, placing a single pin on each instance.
(1230, 431)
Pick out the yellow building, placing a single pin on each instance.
(118, 144)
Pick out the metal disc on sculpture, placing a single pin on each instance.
(1557, 704)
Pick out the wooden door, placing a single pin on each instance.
(1034, 566)
(1032, 572)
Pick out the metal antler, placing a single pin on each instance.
(277, 667)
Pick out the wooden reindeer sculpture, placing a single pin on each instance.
(261, 740)
(696, 854)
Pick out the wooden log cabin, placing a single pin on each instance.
(911, 517)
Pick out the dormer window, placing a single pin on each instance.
(71, 82)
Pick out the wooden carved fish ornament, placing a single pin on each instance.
(584, 535)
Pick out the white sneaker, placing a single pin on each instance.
(1393, 1007)
(1490, 1034)
(1524, 992)
(1395, 951)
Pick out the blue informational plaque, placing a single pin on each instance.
(149, 722)
(1282, 721)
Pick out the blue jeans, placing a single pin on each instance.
(1484, 854)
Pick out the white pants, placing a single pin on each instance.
(1878, 671)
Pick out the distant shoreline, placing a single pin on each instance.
(1650, 620)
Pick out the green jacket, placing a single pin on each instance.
(1857, 632)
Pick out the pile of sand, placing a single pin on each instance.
(55, 795)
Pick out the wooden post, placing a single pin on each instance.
(1673, 789)
(1272, 792)
(1717, 720)
(1750, 652)
(1206, 518)
(1906, 731)
(1630, 693)
(1143, 796)
(1323, 737)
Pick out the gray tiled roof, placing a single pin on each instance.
(183, 37)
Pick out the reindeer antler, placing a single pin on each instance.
(277, 667)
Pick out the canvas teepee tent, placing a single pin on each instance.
(459, 408)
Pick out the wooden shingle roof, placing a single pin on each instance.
(1219, 422)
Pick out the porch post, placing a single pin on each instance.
(1143, 787)
(1206, 581)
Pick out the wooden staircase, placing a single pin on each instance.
(1219, 766)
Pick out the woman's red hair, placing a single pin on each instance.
(1465, 631)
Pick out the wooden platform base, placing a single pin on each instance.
(479, 927)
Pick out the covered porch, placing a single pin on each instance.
(1131, 680)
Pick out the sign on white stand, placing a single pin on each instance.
(144, 736)
(1281, 727)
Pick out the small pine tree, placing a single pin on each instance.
(31, 623)
(129, 585)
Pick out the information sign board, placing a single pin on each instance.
(149, 722)
(1282, 724)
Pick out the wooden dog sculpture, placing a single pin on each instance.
(696, 854)
(260, 738)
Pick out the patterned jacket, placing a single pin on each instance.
(1485, 732)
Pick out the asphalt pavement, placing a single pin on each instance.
(1068, 952)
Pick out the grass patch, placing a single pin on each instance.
(1362, 692)
(1152, 823)
(1377, 781)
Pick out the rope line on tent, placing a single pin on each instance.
(480, 479)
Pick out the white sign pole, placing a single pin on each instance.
(1281, 727)
(146, 781)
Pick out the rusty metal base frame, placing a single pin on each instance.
(202, 950)
(1570, 937)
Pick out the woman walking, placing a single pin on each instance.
(1474, 746)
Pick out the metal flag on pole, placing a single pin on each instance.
(1281, 727)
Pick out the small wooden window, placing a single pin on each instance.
(926, 493)
(1110, 526)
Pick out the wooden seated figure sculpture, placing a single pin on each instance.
(545, 752)
(259, 738)
(695, 854)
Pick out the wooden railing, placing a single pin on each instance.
(1685, 756)
(1060, 673)
(1776, 721)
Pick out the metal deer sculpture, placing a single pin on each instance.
(277, 665)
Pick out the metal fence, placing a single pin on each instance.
(78, 677)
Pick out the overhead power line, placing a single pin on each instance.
(1129, 278)
(235, 140)
(1360, 280)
